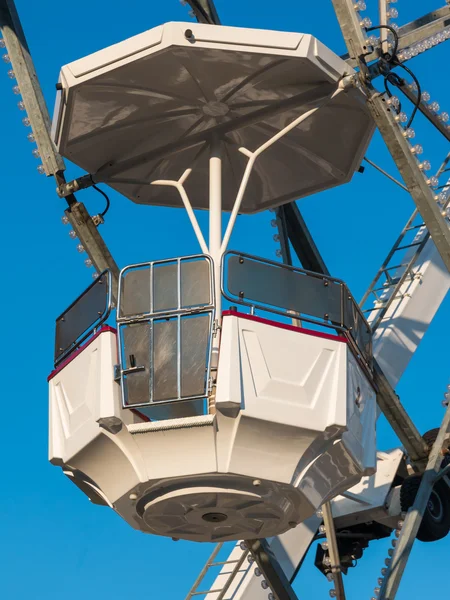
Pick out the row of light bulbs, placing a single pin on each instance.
(327, 559)
(257, 572)
(27, 123)
(424, 45)
(21, 106)
(409, 133)
(81, 249)
(388, 559)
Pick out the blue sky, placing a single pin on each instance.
(55, 544)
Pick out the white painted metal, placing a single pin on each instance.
(127, 126)
(400, 332)
(215, 221)
(301, 432)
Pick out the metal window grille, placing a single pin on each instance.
(165, 318)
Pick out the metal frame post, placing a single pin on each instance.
(271, 570)
(415, 514)
(215, 215)
(393, 135)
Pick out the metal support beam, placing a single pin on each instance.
(204, 11)
(424, 27)
(413, 177)
(412, 33)
(333, 551)
(30, 89)
(414, 516)
(398, 418)
(431, 116)
(271, 570)
(302, 241)
(282, 226)
(93, 242)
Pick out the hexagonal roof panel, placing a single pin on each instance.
(148, 108)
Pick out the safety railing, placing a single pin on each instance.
(293, 292)
(83, 317)
(165, 317)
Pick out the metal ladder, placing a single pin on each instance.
(223, 579)
(400, 264)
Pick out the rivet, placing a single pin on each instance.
(133, 496)
(257, 482)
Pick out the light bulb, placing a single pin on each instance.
(2, 43)
(41, 170)
(271, 597)
(250, 558)
(319, 513)
(26, 121)
(278, 253)
(243, 545)
(433, 182)
(387, 561)
(330, 576)
(409, 133)
(380, 580)
(392, 13)
(400, 524)
(31, 138)
(444, 117)
(65, 220)
(391, 552)
(257, 572)
(273, 223)
(327, 561)
(332, 593)
(35, 153)
(366, 23)
(444, 403)
(21, 105)
(264, 584)
(434, 107)
(16, 90)
(393, 101)
(425, 96)
(397, 534)
(324, 545)
(360, 5)
(401, 117)
(383, 571)
(322, 529)
(95, 275)
(376, 591)
(80, 248)
(11, 74)
(276, 237)
(394, 542)
(88, 263)
(446, 395)
(373, 41)
(6, 58)
(425, 165)
(413, 86)
(72, 234)
(417, 149)
(394, 26)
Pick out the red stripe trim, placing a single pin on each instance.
(79, 350)
(320, 334)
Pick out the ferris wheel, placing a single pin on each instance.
(221, 396)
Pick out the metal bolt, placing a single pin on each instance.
(241, 294)
(257, 482)
(133, 496)
(241, 260)
(188, 34)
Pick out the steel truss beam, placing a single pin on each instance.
(412, 33)
(415, 514)
(393, 135)
(271, 570)
(204, 11)
(52, 161)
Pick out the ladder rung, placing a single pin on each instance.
(224, 562)
(206, 592)
(415, 227)
(408, 246)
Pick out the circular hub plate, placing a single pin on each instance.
(216, 514)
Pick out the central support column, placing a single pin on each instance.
(215, 215)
